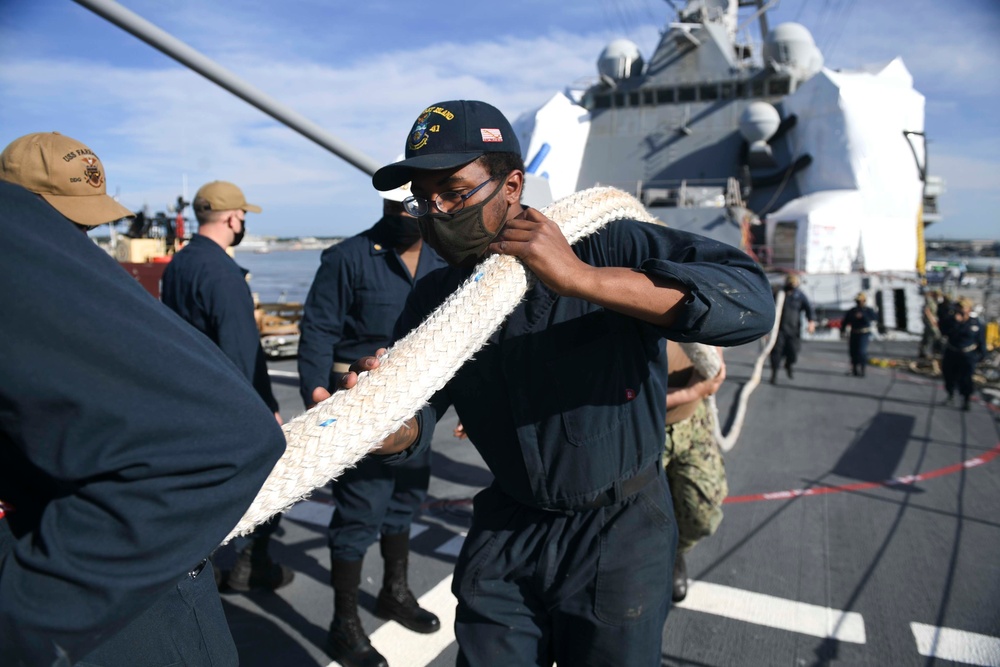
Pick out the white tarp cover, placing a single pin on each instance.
(828, 230)
(564, 126)
(853, 123)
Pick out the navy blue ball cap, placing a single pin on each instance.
(448, 135)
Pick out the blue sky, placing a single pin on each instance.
(363, 71)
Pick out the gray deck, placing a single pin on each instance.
(859, 573)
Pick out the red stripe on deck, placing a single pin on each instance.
(861, 486)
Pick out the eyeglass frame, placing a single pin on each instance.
(426, 203)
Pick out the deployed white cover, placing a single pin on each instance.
(852, 124)
(564, 125)
(828, 234)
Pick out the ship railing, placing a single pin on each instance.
(775, 256)
(682, 193)
(734, 193)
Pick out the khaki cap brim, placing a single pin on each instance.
(90, 211)
(222, 196)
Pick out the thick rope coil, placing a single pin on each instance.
(338, 432)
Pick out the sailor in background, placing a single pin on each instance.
(571, 548)
(692, 458)
(129, 445)
(965, 347)
(946, 312)
(930, 341)
(355, 299)
(206, 287)
(789, 339)
(861, 320)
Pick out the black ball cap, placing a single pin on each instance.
(447, 135)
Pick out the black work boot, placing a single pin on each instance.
(680, 579)
(395, 601)
(347, 642)
(788, 369)
(254, 569)
(774, 375)
(965, 404)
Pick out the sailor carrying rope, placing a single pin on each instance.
(341, 430)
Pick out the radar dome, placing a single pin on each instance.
(759, 121)
(620, 60)
(790, 47)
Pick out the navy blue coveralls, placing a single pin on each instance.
(945, 313)
(789, 338)
(860, 320)
(570, 554)
(129, 447)
(965, 347)
(208, 289)
(358, 293)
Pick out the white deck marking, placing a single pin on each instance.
(956, 645)
(774, 612)
(405, 647)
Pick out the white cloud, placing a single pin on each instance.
(155, 121)
(156, 125)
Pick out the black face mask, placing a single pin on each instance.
(460, 238)
(239, 237)
(400, 230)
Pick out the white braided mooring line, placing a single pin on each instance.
(338, 432)
(728, 441)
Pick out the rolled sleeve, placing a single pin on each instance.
(730, 298)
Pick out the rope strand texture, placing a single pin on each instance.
(337, 433)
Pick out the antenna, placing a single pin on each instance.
(184, 54)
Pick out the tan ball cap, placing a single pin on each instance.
(65, 173)
(222, 196)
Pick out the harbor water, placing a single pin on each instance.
(280, 275)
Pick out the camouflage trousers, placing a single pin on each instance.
(697, 476)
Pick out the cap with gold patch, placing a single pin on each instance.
(65, 173)
(222, 196)
(448, 135)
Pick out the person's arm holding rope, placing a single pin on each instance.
(697, 289)
(697, 388)
(539, 243)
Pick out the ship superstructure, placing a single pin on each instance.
(817, 171)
